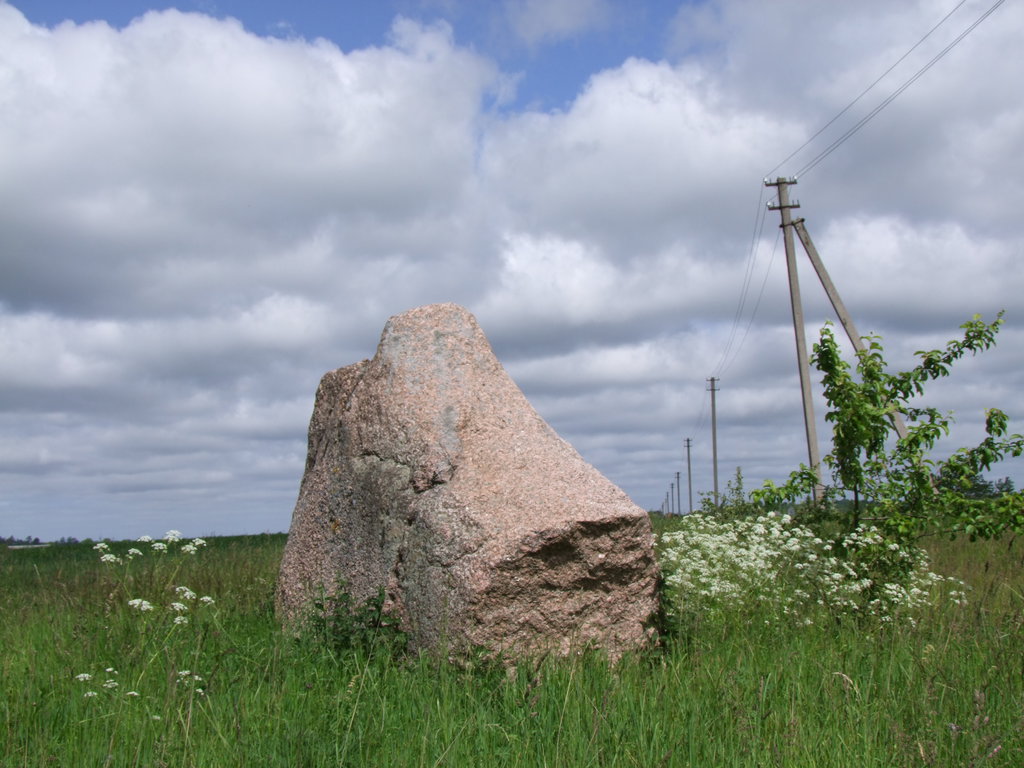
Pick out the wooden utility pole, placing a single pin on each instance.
(689, 475)
(784, 206)
(714, 436)
(671, 498)
(679, 506)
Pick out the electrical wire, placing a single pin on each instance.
(747, 275)
(892, 97)
(757, 304)
(864, 93)
(726, 361)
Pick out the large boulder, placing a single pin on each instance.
(430, 475)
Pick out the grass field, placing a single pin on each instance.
(219, 684)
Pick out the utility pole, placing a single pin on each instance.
(784, 206)
(671, 498)
(714, 436)
(679, 506)
(689, 475)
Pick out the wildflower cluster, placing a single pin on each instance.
(163, 546)
(110, 684)
(773, 569)
(159, 622)
(188, 679)
(178, 608)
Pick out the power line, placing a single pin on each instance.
(727, 361)
(748, 272)
(909, 82)
(729, 353)
(863, 93)
(757, 304)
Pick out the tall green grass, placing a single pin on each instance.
(948, 692)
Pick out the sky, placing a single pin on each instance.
(206, 206)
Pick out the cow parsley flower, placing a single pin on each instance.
(715, 567)
(185, 593)
(206, 600)
(181, 620)
(109, 558)
(145, 539)
(172, 536)
(140, 604)
(133, 553)
(85, 677)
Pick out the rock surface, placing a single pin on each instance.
(430, 475)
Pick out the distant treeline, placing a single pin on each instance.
(14, 541)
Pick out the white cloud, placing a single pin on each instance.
(642, 147)
(546, 21)
(225, 148)
(196, 222)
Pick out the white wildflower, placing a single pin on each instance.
(90, 694)
(206, 600)
(181, 619)
(145, 539)
(133, 553)
(109, 558)
(185, 593)
(101, 546)
(172, 536)
(179, 607)
(110, 684)
(716, 567)
(159, 546)
(140, 604)
(132, 693)
(85, 677)
(198, 542)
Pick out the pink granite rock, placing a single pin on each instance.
(430, 475)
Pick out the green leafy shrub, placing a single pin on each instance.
(886, 470)
(345, 625)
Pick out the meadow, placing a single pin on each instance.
(174, 658)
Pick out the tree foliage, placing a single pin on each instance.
(894, 478)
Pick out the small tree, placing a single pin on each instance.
(733, 502)
(898, 484)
